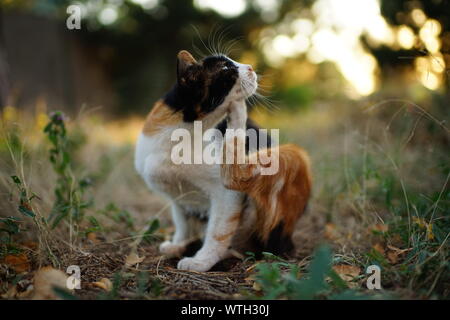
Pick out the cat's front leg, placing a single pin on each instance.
(225, 212)
(236, 170)
(237, 115)
(234, 143)
(177, 245)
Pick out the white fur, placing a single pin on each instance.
(274, 194)
(195, 187)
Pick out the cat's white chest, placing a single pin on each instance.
(186, 184)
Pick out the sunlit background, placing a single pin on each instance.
(332, 30)
(122, 59)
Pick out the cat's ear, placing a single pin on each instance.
(184, 61)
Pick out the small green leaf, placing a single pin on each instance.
(337, 280)
(16, 179)
(64, 294)
(26, 211)
(151, 230)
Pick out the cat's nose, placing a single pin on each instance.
(250, 68)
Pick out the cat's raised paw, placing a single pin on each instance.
(193, 264)
(237, 116)
(170, 249)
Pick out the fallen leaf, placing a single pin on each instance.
(104, 284)
(18, 262)
(256, 286)
(133, 259)
(400, 251)
(91, 236)
(330, 231)
(379, 247)
(347, 272)
(380, 227)
(392, 257)
(397, 240)
(30, 245)
(394, 253)
(45, 280)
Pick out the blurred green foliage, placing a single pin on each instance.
(296, 97)
(285, 280)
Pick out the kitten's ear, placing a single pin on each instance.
(185, 59)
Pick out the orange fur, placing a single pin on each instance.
(186, 57)
(223, 237)
(281, 197)
(235, 217)
(160, 117)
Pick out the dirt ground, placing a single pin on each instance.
(229, 279)
(97, 258)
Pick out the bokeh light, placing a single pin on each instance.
(228, 8)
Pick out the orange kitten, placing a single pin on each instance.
(280, 198)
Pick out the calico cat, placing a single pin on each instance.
(213, 91)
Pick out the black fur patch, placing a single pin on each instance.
(278, 243)
(200, 215)
(222, 126)
(202, 87)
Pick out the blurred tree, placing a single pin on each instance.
(135, 41)
(417, 15)
(4, 81)
(137, 46)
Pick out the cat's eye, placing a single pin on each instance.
(224, 68)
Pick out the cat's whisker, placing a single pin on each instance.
(222, 35)
(215, 47)
(211, 39)
(267, 99)
(198, 51)
(216, 41)
(231, 44)
(264, 102)
(258, 99)
(203, 43)
(265, 86)
(246, 88)
(264, 89)
(267, 75)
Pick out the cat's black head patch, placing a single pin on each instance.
(201, 86)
